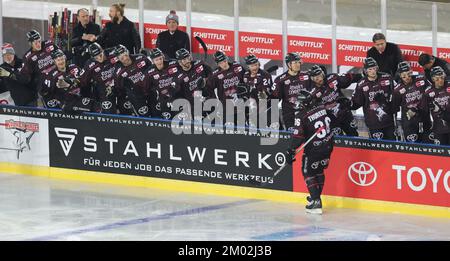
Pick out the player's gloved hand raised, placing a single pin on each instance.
(62, 84)
(4, 72)
(290, 156)
(345, 103)
(435, 107)
(411, 113)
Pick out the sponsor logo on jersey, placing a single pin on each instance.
(97, 69)
(303, 77)
(384, 83)
(34, 58)
(402, 91)
(173, 70)
(365, 88)
(238, 69)
(50, 48)
(420, 83)
(220, 76)
(141, 64)
(156, 76)
(199, 69)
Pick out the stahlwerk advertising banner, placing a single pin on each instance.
(145, 147)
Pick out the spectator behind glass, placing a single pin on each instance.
(173, 39)
(386, 54)
(120, 30)
(84, 33)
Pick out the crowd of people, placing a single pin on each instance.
(110, 73)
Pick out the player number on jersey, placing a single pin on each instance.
(324, 131)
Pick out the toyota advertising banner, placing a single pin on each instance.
(386, 171)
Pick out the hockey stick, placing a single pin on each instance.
(202, 43)
(261, 184)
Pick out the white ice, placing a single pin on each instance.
(36, 208)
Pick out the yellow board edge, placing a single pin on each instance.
(222, 190)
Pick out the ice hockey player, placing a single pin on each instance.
(163, 81)
(408, 95)
(437, 98)
(373, 94)
(259, 87)
(97, 78)
(61, 87)
(132, 83)
(192, 77)
(309, 119)
(225, 80)
(37, 61)
(288, 85)
(327, 90)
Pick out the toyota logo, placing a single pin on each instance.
(362, 174)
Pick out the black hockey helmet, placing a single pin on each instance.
(181, 54)
(220, 56)
(120, 49)
(95, 49)
(57, 53)
(251, 59)
(290, 57)
(437, 71)
(316, 70)
(155, 52)
(369, 62)
(33, 35)
(304, 100)
(403, 67)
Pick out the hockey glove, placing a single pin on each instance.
(4, 72)
(290, 156)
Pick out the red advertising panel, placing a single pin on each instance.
(312, 50)
(268, 46)
(215, 40)
(411, 54)
(444, 53)
(385, 175)
(352, 53)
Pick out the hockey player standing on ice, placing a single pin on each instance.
(437, 99)
(373, 93)
(37, 61)
(132, 83)
(163, 81)
(192, 77)
(97, 78)
(408, 95)
(224, 81)
(327, 90)
(61, 87)
(309, 120)
(288, 85)
(259, 87)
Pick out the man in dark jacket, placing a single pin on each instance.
(428, 61)
(120, 31)
(173, 39)
(84, 33)
(21, 94)
(386, 54)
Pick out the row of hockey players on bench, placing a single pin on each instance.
(114, 81)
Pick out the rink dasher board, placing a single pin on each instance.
(73, 141)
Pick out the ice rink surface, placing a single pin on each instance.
(36, 208)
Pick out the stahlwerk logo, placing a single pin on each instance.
(132, 148)
(362, 174)
(66, 138)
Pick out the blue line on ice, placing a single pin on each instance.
(136, 221)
